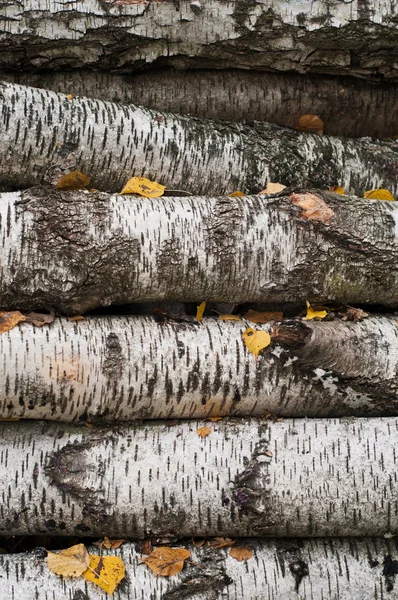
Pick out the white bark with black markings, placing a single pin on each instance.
(105, 370)
(76, 251)
(233, 95)
(355, 569)
(358, 37)
(44, 135)
(295, 478)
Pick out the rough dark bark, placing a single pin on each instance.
(253, 478)
(134, 368)
(44, 134)
(349, 107)
(358, 38)
(284, 569)
(73, 251)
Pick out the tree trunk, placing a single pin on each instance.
(356, 38)
(45, 134)
(246, 478)
(134, 368)
(280, 98)
(75, 251)
(284, 569)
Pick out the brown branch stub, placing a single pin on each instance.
(313, 207)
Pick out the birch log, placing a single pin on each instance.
(357, 37)
(279, 569)
(300, 478)
(105, 370)
(75, 251)
(44, 134)
(233, 95)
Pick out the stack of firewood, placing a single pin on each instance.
(136, 418)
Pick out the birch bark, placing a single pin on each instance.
(233, 95)
(105, 370)
(279, 569)
(44, 134)
(300, 478)
(76, 251)
(357, 37)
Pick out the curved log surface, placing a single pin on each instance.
(358, 38)
(300, 478)
(73, 251)
(349, 107)
(280, 569)
(107, 370)
(44, 135)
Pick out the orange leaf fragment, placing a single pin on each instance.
(75, 318)
(214, 419)
(379, 194)
(310, 124)
(71, 562)
(69, 97)
(203, 431)
(337, 189)
(112, 544)
(73, 181)
(144, 187)
(220, 542)
(256, 316)
(166, 561)
(9, 319)
(198, 543)
(241, 553)
(256, 340)
(200, 311)
(273, 188)
(105, 571)
(312, 207)
(236, 194)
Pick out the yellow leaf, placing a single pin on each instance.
(272, 188)
(263, 317)
(314, 314)
(220, 542)
(71, 562)
(105, 571)
(143, 187)
(229, 318)
(337, 189)
(73, 181)
(379, 195)
(203, 431)
(8, 320)
(69, 96)
(236, 194)
(167, 561)
(256, 340)
(241, 553)
(310, 124)
(200, 310)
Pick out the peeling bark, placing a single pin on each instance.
(105, 370)
(284, 569)
(251, 478)
(75, 251)
(44, 134)
(358, 38)
(280, 98)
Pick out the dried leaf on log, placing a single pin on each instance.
(203, 431)
(256, 316)
(200, 311)
(75, 180)
(105, 571)
(9, 319)
(256, 340)
(313, 207)
(310, 124)
(71, 562)
(272, 188)
(241, 553)
(167, 561)
(379, 194)
(221, 542)
(312, 313)
(144, 187)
